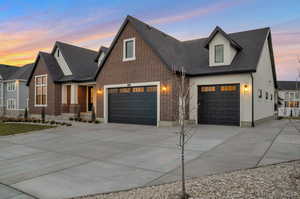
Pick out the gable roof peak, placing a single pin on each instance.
(222, 32)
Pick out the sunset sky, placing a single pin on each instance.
(30, 26)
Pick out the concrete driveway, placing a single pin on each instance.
(88, 159)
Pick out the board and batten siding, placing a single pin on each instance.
(263, 79)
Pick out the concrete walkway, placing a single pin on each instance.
(88, 159)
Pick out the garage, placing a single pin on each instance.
(219, 104)
(133, 105)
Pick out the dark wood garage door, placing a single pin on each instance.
(219, 104)
(134, 105)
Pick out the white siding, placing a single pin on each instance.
(61, 62)
(229, 51)
(245, 97)
(263, 79)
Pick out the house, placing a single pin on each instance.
(231, 76)
(62, 82)
(288, 95)
(13, 89)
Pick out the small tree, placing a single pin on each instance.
(26, 114)
(183, 87)
(43, 114)
(93, 116)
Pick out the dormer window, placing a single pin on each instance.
(129, 49)
(101, 57)
(219, 53)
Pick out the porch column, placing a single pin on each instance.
(74, 94)
(64, 92)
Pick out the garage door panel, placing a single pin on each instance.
(219, 105)
(133, 107)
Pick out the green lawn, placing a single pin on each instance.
(15, 128)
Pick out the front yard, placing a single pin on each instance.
(16, 128)
(275, 181)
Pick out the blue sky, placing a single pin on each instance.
(30, 26)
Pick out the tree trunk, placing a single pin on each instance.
(182, 167)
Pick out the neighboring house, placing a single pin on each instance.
(13, 89)
(232, 77)
(289, 99)
(63, 82)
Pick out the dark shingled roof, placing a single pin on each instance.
(14, 72)
(219, 30)
(81, 62)
(193, 56)
(288, 85)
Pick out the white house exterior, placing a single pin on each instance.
(289, 98)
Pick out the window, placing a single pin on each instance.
(41, 90)
(228, 88)
(11, 104)
(138, 90)
(259, 93)
(208, 89)
(267, 95)
(292, 95)
(129, 49)
(271, 97)
(113, 90)
(151, 89)
(219, 53)
(286, 95)
(125, 90)
(101, 57)
(57, 52)
(292, 104)
(11, 86)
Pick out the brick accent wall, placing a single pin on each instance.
(53, 92)
(146, 68)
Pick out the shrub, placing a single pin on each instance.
(43, 114)
(26, 114)
(71, 119)
(52, 122)
(93, 116)
(68, 124)
(97, 121)
(90, 121)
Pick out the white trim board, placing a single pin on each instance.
(105, 96)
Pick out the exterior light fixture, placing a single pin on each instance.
(164, 88)
(99, 91)
(246, 88)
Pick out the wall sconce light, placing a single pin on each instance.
(246, 88)
(100, 91)
(164, 89)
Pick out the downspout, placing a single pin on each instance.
(252, 100)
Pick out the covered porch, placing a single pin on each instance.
(78, 97)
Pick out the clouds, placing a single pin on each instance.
(204, 10)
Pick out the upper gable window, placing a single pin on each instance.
(101, 57)
(219, 53)
(129, 49)
(11, 86)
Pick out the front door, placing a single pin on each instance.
(90, 94)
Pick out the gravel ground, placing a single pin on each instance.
(274, 181)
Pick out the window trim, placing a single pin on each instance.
(14, 103)
(124, 49)
(215, 53)
(40, 105)
(9, 83)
